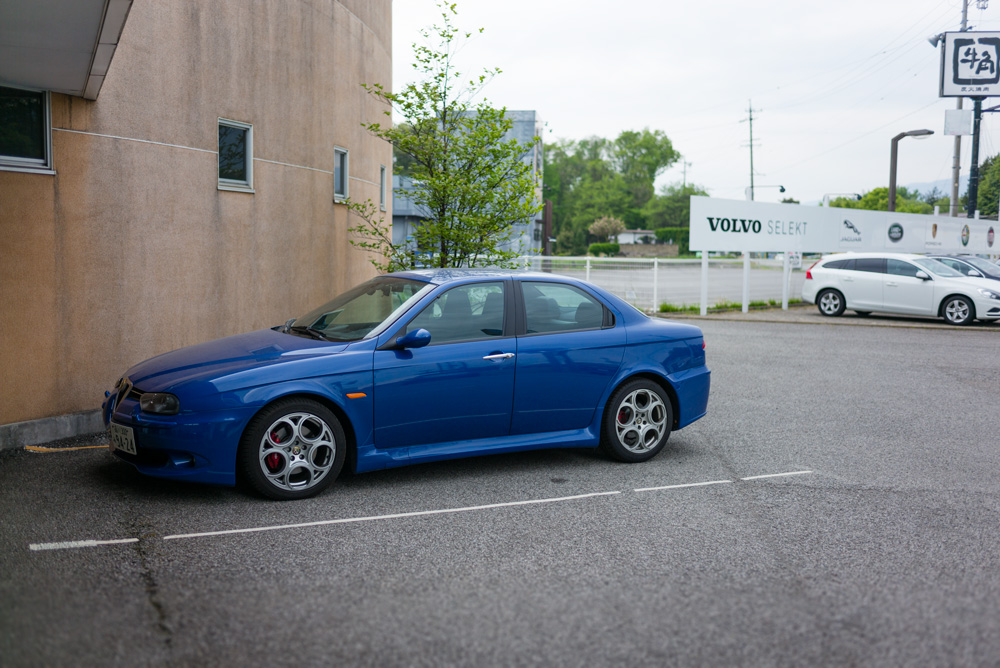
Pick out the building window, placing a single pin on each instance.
(341, 173)
(25, 130)
(235, 156)
(381, 188)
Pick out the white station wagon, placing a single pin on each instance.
(899, 283)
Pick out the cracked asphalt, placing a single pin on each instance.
(886, 554)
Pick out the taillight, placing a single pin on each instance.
(809, 270)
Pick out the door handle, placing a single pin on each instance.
(498, 356)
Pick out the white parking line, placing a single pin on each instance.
(69, 545)
(693, 484)
(73, 544)
(776, 475)
(373, 518)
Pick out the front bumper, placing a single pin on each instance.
(192, 446)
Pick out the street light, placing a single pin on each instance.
(892, 161)
(748, 191)
(826, 197)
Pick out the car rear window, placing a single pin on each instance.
(873, 264)
(840, 264)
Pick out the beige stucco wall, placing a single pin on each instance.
(130, 249)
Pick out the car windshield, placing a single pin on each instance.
(984, 267)
(938, 268)
(362, 311)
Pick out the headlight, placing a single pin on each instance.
(989, 294)
(159, 403)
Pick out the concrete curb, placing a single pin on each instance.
(32, 432)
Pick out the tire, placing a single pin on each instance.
(958, 310)
(293, 449)
(637, 421)
(830, 303)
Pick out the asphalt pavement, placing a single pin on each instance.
(838, 506)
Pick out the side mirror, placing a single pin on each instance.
(418, 338)
(923, 275)
(973, 272)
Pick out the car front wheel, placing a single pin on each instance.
(637, 422)
(293, 449)
(830, 303)
(958, 310)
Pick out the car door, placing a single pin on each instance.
(460, 386)
(568, 350)
(903, 292)
(863, 285)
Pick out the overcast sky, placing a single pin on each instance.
(831, 82)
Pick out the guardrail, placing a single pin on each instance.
(648, 282)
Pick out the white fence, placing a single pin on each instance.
(649, 282)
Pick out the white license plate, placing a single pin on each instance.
(122, 438)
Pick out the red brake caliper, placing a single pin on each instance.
(273, 461)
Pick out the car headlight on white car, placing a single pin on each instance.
(159, 403)
(989, 294)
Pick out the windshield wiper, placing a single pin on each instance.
(309, 331)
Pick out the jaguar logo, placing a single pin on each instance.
(852, 227)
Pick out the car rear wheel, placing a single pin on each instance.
(958, 310)
(830, 303)
(293, 449)
(637, 422)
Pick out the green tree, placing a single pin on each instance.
(989, 187)
(672, 207)
(606, 228)
(878, 200)
(595, 177)
(469, 180)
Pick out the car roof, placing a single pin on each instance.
(449, 274)
(897, 256)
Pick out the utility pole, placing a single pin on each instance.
(749, 119)
(684, 183)
(956, 167)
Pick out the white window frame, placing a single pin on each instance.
(337, 152)
(12, 163)
(382, 190)
(234, 184)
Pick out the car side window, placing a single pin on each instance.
(954, 264)
(873, 264)
(464, 313)
(558, 307)
(900, 268)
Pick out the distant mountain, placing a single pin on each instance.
(944, 185)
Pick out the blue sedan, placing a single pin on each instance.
(413, 367)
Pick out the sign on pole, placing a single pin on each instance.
(970, 64)
(737, 225)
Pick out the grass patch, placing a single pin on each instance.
(724, 305)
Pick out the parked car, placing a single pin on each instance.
(413, 367)
(970, 265)
(899, 283)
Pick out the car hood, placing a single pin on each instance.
(224, 357)
(972, 282)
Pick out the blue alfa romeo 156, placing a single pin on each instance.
(413, 367)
